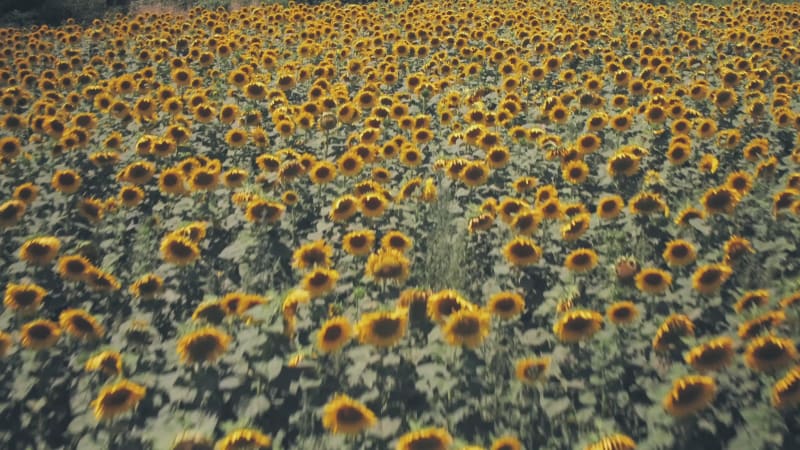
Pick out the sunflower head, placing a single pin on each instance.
(24, 298)
(713, 355)
(613, 442)
(117, 399)
(467, 327)
(388, 265)
(669, 334)
(709, 278)
(40, 251)
(770, 353)
(653, 281)
(425, 439)
(73, 267)
(578, 325)
(622, 313)
(39, 334)
(786, 391)
(415, 301)
(522, 251)
(343, 415)
(205, 345)
(531, 371)
(179, 250)
(109, 362)
(313, 254)
(689, 395)
(506, 305)
(334, 334)
(359, 243)
(81, 325)
(382, 329)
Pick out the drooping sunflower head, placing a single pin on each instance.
(510, 207)
(522, 251)
(109, 362)
(653, 281)
(388, 265)
(344, 208)
(80, 324)
(786, 391)
(211, 311)
(313, 254)
(117, 399)
(11, 212)
(244, 438)
(91, 209)
(205, 345)
(147, 287)
(40, 251)
(532, 370)
(264, 211)
(320, 281)
(689, 395)
(769, 353)
(467, 327)
(343, 415)
(506, 305)
(578, 325)
(334, 334)
(613, 442)
(179, 250)
(622, 313)
(709, 278)
(736, 248)
(24, 298)
(720, 200)
(679, 253)
(712, 355)
(101, 281)
(444, 303)
(382, 329)
(425, 439)
(647, 203)
(752, 300)
(39, 334)
(669, 334)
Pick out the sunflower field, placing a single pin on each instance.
(420, 225)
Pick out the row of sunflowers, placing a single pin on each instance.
(413, 225)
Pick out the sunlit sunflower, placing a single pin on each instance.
(66, 181)
(320, 281)
(712, 355)
(382, 329)
(40, 251)
(720, 200)
(647, 203)
(623, 164)
(576, 227)
(522, 251)
(578, 325)
(622, 313)
(679, 253)
(117, 399)
(344, 208)
(613, 442)
(334, 334)
(179, 250)
(575, 172)
(313, 254)
(689, 395)
(653, 281)
(786, 391)
(752, 300)
(343, 415)
(506, 305)
(25, 192)
(24, 298)
(709, 278)
(203, 346)
(610, 207)
(467, 327)
(581, 260)
(425, 439)
(397, 240)
(388, 264)
(475, 173)
(80, 324)
(770, 353)
(210, 311)
(531, 371)
(39, 334)
(508, 208)
(359, 243)
(147, 287)
(109, 362)
(244, 439)
(736, 248)
(322, 172)
(506, 443)
(669, 334)
(11, 212)
(264, 211)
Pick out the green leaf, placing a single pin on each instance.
(554, 408)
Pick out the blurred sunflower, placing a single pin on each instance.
(264, 211)
(40, 251)
(610, 207)
(506, 305)
(322, 172)
(109, 362)
(679, 253)
(6, 341)
(741, 182)
(343, 415)
(752, 300)
(320, 281)
(736, 248)
(622, 313)
(467, 327)
(575, 172)
(397, 240)
(179, 250)
(653, 281)
(506, 443)
(11, 212)
(720, 200)
(24, 298)
(577, 325)
(334, 334)
(689, 395)
(622, 164)
(372, 204)
(66, 181)
(39, 334)
(576, 227)
(80, 324)
(770, 353)
(522, 251)
(344, 208)
(25, 192)
(709, 278)
(210, 311)
(205, 345)
(581, 260)
(382, 329)
(613, 442)
(425, 439)
(531, 371)
(646, 203)
(313, 254)
(475, 173)
(116, 399)
(147, 287)
(786, 391)
(358, 243)
(712, 355)
(244, 438)
(388, 264)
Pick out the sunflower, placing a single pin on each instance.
(581, 260)
(382, 329)
(25, 192)
(613, 442)
(669, 334)
(343, 415)
(204, 345)
(678, 153)
(359, 243)
(689, 395)
(506, 443)
(264, 211)
(506, 305)
(334, 334)
(720, 200)
(80, 324)
(575, 172)
(508, 208)
(39, 334)
(709, 278)
(475, 173)
(372, 204)
(752, 300)
(388, 264)
(711, 356)
(687, 215)
(770, 353)
(522, 251)
(622, 313)
(24, 298)
(6, 342)
(179, 250)
(653, 281)
(526, 222)
(313, 254)
(679, 253)
(322, 172)
(498, 157)
(147, 287)
(467, 327)
(66, 181)
(211, 311)
(786, 391)
(610, 207)
(397, 240)
(646, 203)
(425, 439)
(531, 371)
(741, 182)
(192, 440)
(11, 212)
(576, 227)
(117, 399)
(109, 362)
(344, 208)
(736, 248)
(578, 325)
(320, 281)
(40, 251)
(203, 179)
(171, 181)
